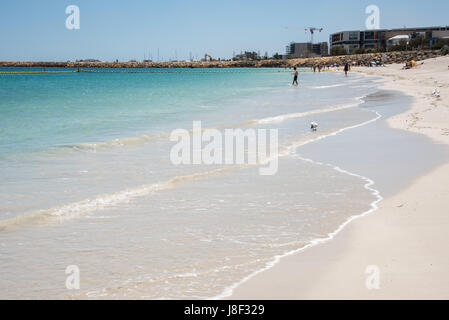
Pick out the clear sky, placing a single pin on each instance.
(124, 30)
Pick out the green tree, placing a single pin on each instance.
(401, 46)
(445, 50)
(417, 42)
(359, 51)
(338, 51)
(437, 45)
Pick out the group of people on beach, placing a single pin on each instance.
(346, 69)
(319, 68)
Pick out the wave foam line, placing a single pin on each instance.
(288, 116)
(329, 86)
(106, 200)
(101, 201)
(294, 146)
(122, 142)
(373, 207)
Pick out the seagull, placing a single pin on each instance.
(314, 126)
(436, 92)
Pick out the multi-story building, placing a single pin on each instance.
(320, 49)
(307, 49)
(378, 39)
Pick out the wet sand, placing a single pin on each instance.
(401, 246)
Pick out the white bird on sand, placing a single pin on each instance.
(314, 126)
(436, 92)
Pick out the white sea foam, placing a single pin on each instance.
(326, 87)
(288, 116)
(99, 202)
(120, 142)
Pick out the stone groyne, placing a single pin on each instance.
(390, 57)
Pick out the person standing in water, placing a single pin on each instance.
(346, 69)
(295, 77)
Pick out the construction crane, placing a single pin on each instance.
(208, 56)
(312, 31)
(307, 29)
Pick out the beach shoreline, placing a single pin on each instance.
(204, 231)
(407, 248)
(351, 112)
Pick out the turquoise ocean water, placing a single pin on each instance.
(86, 179)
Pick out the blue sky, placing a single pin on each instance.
(124, 30)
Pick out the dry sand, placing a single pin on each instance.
(406, 239)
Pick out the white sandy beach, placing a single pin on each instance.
(406, 238)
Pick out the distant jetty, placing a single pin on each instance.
(361, 59)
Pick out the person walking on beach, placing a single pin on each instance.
(346, 69)
(295, 77)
